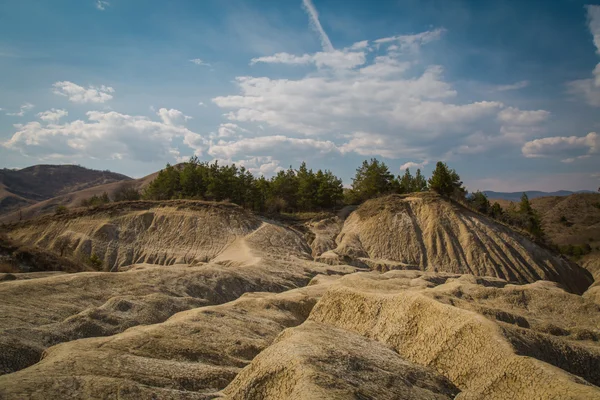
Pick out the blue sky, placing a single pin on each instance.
(507, 93)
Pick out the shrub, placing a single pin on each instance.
(95, 261)
(60, 210)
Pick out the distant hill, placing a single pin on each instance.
(73, 199)
(27, 186)
(532, 194)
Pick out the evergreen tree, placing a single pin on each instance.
(420, 183)
(480, 202)
(372, 179)
(407, 182)
(496, 211)
(446, 182)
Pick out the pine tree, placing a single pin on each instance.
(407, 182)
(372, 179)
(420, 182)
(446, 182)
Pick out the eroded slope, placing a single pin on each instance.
(421, 231)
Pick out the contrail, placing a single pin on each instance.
(314, 19)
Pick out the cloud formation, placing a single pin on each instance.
(199, 61)
(105, 135)
(569, 148)
(589, 89)
(22, 110)
(313, 15)
(52, 115)
(102, 4)
(79, 94)
(514, 86)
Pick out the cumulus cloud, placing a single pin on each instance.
(412, 42)
(269, 144)
(589, 89)
(333, 59)
(514, 116)
(172, 116)
(101, 5)
(412, 164)
(104, 135)
(81, 95)
(52, 115)
(229, 130)
(353, 101)
(22, 110)
(568, 148)
(513, 86)
(199, 61)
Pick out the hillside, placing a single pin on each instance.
(20, 188)
(208, 300)
(74, 199)
(572, 220)
(532, 194)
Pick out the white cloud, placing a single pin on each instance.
(22, 110)
(411, 43)
(354, 101)
(589, 89)
(229, 130)
(563, 146)
(333, 59)
(101, 5)
(105, 135)
(199, 61)
(52, 115)
(269, 144)
(172, 116)
(81, 95)
(313, 15)
(514, 116)
(201, 104)
(412, 164)
(594, 24)
(514, 86)
(265, 165)
(363, 44)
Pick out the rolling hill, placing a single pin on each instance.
(27, 186)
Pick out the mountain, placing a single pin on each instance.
(27, 186)
(532, 194)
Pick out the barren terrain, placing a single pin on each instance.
(409, 297)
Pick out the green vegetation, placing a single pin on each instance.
(95, 261)
(576, 251)
(290, 190)
(127, 193)
(96, 200)
(60, 210)
(446, 182)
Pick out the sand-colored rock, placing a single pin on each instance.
(192, 355)
(494, 353)
(316, 361)
(247, 254)
(422, 231)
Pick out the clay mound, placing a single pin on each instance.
(511, 342)
(316, 361)
(422, 231)
(38, 313)
(164, 233)
(192, 355)
(402, 334)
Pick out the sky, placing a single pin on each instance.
(505, 92)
